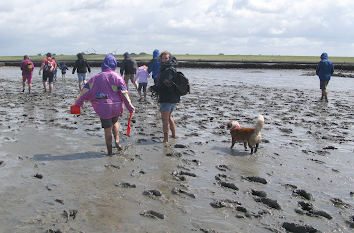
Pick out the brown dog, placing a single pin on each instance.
(250, 136)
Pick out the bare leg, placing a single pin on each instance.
(126, 82)
(108, 138)
(145, 96)
(165, 116)
(51, 86)
(29, 87)
(322, 94)
(80, 85)
(116, 135)
(45, 86)
(326, 97)
(172, 126)
(24, 85)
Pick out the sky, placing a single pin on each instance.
(246, 27)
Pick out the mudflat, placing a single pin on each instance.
(56, 177)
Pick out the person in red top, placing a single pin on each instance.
(48, 66)
(27, 71)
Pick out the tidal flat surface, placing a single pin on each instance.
(55, 176)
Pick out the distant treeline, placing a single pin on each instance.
(204, 61)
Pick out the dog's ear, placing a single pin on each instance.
(229, 124)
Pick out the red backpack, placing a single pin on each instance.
(49, 65)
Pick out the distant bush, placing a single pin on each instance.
(142, 53)
(221, 54)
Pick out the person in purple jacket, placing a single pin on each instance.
(27, 72)
(107, 92)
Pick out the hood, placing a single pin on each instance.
(126, 55)
(156, 53)
(324, 56)
(109, 63)
(80, 56)
(170, 63)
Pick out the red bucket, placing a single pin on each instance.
(74, 109)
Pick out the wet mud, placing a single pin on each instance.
(56, 177)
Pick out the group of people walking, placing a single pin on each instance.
(108, 90)
(108, 93)
(49, 67)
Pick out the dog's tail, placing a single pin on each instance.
(259, 124)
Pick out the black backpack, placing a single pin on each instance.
(181, 83)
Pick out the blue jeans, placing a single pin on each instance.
(167, 107)
(81, 77)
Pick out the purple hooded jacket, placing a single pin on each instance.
(106, 91)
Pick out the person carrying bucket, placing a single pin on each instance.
(107, 92)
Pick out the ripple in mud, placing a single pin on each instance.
(310, 211)
(339, 203)
(152, 192)
(152, 214)
(228, 185)
(269, 202)
(258, 193)
(296, 228)
(176, 190)
(38, 176)
(302, 193)
(126, 185)
(256, 179)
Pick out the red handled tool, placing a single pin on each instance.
(129, 127)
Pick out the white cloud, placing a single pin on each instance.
(302, 27)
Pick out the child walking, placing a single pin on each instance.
(63, 68)
(107, 92)
(142, 77)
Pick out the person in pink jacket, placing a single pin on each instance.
(107, 93)
(27, 72)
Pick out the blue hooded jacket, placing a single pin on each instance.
(154, 64)
(109, 63)
(325, 68)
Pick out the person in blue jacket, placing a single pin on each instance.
(154, 65)
(325, 69)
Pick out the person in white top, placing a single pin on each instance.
(142, 78)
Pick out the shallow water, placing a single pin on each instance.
(306, 143)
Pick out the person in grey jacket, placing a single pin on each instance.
(128, 69)
(325, 69)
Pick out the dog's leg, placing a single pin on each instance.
(251, 147)
(245, 146)
(233, 143)
(255, 150)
